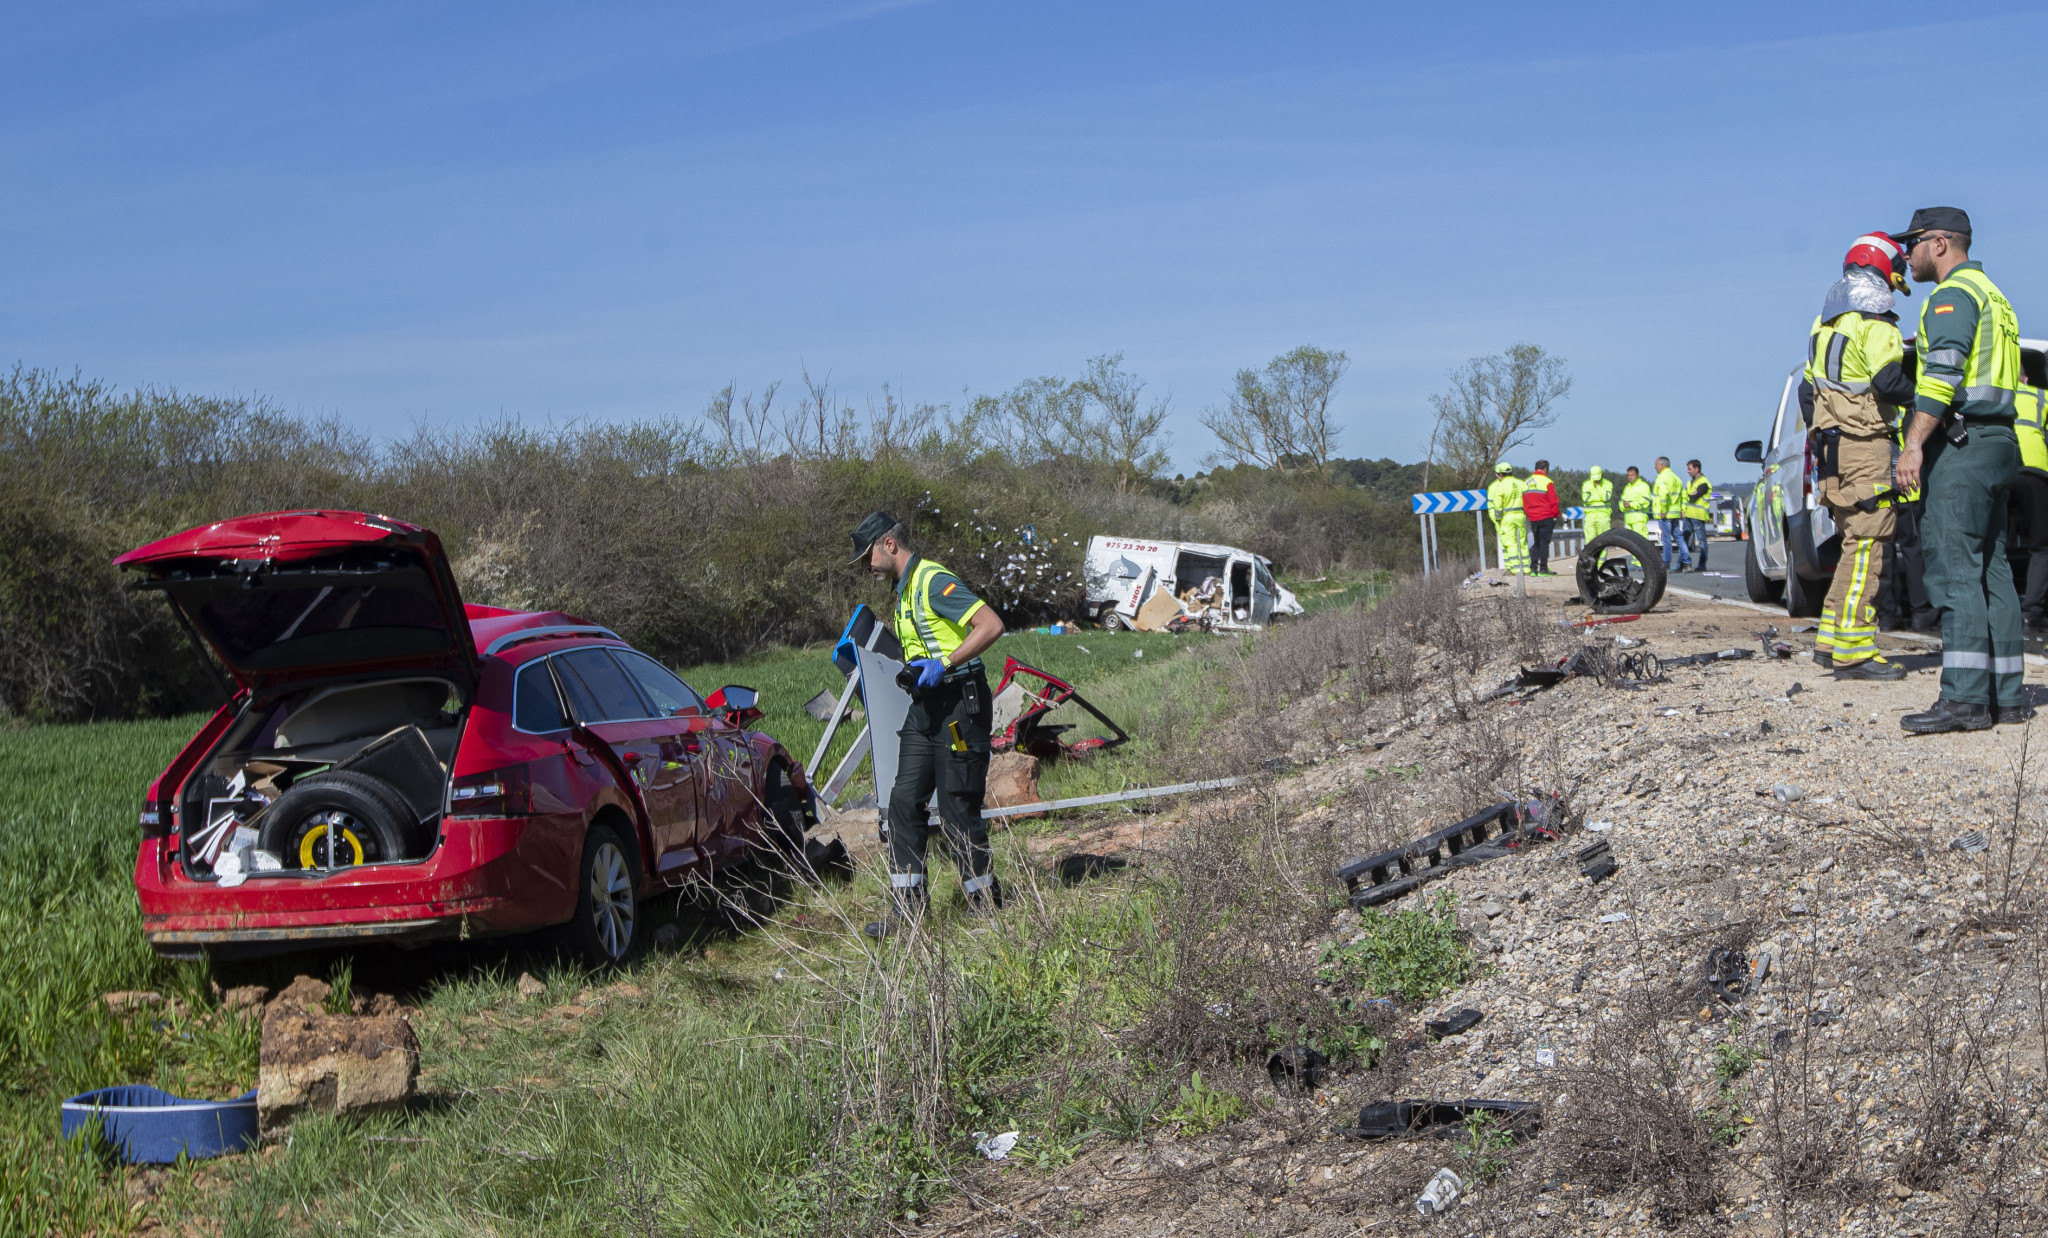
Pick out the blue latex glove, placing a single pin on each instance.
(929, 671)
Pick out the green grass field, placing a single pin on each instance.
(677, 1093)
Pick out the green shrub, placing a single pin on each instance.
(1412, 954)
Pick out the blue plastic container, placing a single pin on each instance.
(149, 1126)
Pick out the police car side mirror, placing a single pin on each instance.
(1751, 452)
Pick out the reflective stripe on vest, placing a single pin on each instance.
(1991, 373)
(924, 633)
(1831, 365)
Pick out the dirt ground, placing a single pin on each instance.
(1897, 1037)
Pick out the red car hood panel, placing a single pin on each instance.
(293, 595)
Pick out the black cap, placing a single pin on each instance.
(1937, 219)
(870, 532)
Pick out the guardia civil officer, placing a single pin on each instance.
(1960, 446)
(943, 745)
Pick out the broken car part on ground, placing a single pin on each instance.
(1483, 836)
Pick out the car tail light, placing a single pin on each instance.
(506, 792)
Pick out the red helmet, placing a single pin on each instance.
(1879, 252)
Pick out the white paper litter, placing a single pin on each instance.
(1614, 917)
(995, 1147)
(1599, 827)
(1442, 1191)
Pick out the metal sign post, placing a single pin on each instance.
(1428, 506)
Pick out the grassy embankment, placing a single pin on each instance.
(677, 1093)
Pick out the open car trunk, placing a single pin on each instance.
(349, 640)
(324, 777)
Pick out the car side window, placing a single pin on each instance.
(661, 686)
(535, 707)
(599, 690)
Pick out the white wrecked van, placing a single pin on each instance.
(1211, 586)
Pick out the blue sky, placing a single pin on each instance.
(447, 212)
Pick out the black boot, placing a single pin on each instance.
(1823, 658)
(988, 900)
(1946, 715)
(2003, 714)
(1871, 668)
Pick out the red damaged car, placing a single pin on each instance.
(395, 766)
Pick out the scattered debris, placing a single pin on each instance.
(1773, 647)
(1579, 977)
(1444, 1119)
(995, 1147)
(1396, 872)
(1079, 867)
(1612, 917)
(1786, 793)
(529, 988)
(147, 1126)
(1023, 698)
(1705, 659)
(1460, 1021)
(1795, 689)
(1599, 827)
(821, 706)
(1296, 1070)
(1971, 843)
(828, 859)
(1597, 862)
(1600, 621)
(1441, 1193)
(1728, 975)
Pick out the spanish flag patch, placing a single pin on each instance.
(1944, 309)
(948, 590)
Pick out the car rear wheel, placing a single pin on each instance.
(1760, 587)
(605, 927)
(338, 819)
(1803, 597)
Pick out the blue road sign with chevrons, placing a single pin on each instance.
(1447, 501)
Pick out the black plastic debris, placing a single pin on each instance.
(1499, 831)
(1579, 977)
(1773, 647)
(1780, 1041)
(1296, 1070)
(1443, 1119)
(1079, 867)
(1530, 681)
(1727, 974)
(1971, 843)
(828, 857)
(1795, 689)
(1707, 659)
(1597, 862)
(1460, 1021)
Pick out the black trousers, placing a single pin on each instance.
(1539, 543)
(929, 762)
(1902, 592)
(2033, 566)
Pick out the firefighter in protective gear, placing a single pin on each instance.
(1667, 503)
(1504, 504)
(1961, 445)
(1596, 493)
(1636, 500)
(1853, 383)
(943, 745)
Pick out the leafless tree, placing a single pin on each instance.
(1496, 404)
(1280, 418)
(1107, 425)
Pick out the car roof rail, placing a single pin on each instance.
(510, 639)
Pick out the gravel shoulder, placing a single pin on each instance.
(1898, 1030)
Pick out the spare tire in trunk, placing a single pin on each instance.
(337, 819)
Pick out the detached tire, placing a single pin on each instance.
(338, 819)
(606, 925)
(1620, 573)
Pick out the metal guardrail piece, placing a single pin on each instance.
(1085, 801)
